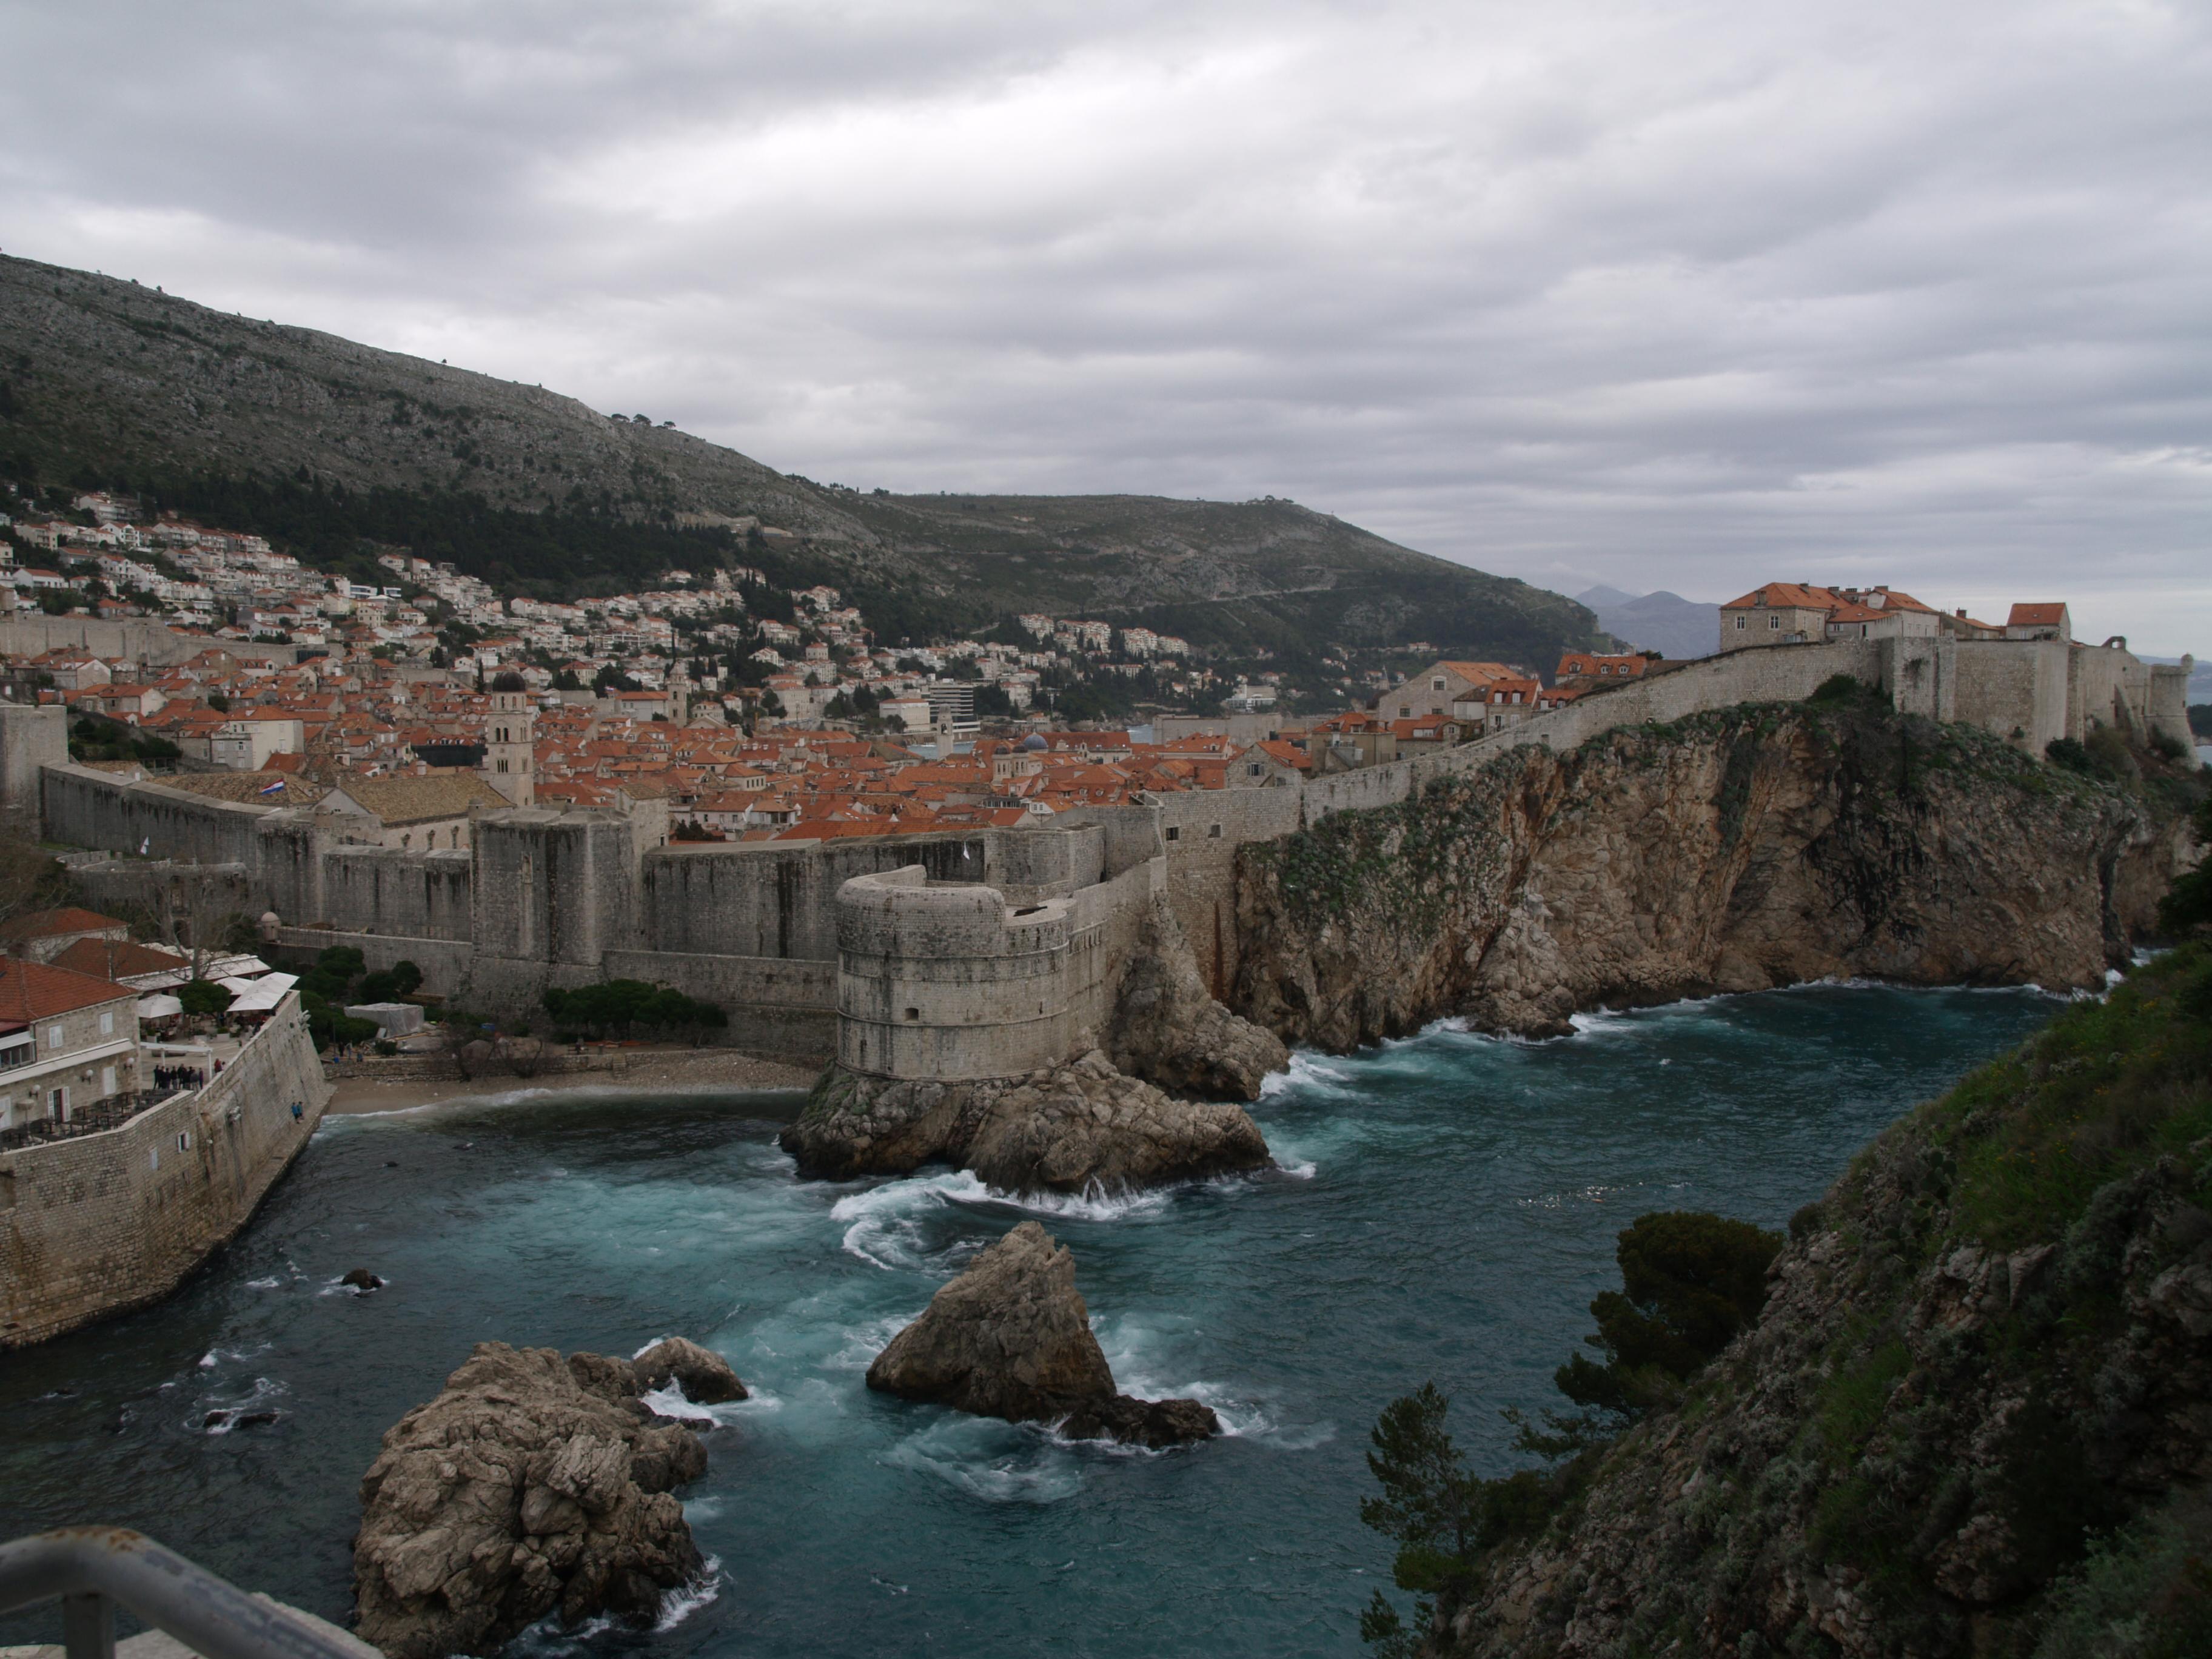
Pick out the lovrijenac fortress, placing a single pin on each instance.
(947, 956)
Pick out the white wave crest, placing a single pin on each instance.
(680, 1603)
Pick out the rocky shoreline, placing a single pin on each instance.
(532, 1485)
(1069, 1128)
(1742, 850)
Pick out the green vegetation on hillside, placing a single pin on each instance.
(335, 451)
(1975, 1406)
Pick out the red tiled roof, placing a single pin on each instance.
(1780, 595)
(2036, 615)
(32, 990)
(45, 923)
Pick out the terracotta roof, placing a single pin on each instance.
(247, 787)
(448, 794)
(2036, 615)
(1783, 596)
(32, 990)
(46, 924)
(107, 958)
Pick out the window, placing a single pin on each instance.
(1213, 832)
(1738, 622)
(57, 1104)
(184, 1141)
(107, 1022)
(53, 1037)
(502, 766)
(1437, 684)
(1774, 621)
(1254, 769)
(1174, 832)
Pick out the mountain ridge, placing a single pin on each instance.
(107, 383)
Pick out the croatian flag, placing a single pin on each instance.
(273, 787)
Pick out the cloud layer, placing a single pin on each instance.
(1686, 297)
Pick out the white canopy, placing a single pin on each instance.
(159, 1007)
(258, 996)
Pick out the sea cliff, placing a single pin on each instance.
(1749, 847)
(1974, 1414)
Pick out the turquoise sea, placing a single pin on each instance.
(1446, 1209)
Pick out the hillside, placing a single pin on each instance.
(326, 444)
(1971, 1417)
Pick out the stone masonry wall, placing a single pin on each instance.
(94, 1225)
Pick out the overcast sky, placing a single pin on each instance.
(1680, 295)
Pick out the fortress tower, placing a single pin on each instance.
(510, 737)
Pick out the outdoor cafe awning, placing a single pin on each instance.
(159, 1007)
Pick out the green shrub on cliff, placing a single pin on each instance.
(1690, 1281)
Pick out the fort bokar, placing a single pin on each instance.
(1083, 999)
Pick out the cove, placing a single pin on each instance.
(1446, 1209)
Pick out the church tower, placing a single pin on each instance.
(510, 739)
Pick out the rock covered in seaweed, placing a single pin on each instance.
(1068, 1129)
(1011, 1337)
(530, 1485)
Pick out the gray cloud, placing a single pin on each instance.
(1686, 296)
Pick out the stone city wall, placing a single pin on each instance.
(949, 983)
(784, 1008)
(375, 889)
(102, 1222)
(32, 736)
(779, 898)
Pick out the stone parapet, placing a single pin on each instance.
(102, 1222)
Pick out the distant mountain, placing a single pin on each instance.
(1662, 622)
(333, 448)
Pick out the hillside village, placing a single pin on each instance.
(755, 712)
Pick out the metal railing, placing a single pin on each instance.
(91, 1570)
(110, 1112)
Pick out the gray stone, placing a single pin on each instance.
(530, 1485)
(1011, 1337)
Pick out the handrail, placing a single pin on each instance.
(92, 1569)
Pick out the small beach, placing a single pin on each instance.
(645, 1069)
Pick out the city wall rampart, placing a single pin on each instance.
(566, 898)
(96, 1225)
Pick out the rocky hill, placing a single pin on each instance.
(323, 442)
(1662, 621)
(1753, 847)
(1974, 1416)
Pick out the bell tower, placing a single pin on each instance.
(510, 741)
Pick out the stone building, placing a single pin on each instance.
(67, 1041)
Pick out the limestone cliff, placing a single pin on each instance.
(1753, 847)
(1974, 1416)
(1169, 1031)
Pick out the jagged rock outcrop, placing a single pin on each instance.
(1987, 1347)
(1011, 1337)
(705, 1376)
(1168, 1030)
(1736, 851)
(531, 1485)
(1069, 1129)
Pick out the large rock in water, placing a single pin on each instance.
(1067, 1129)
(1011, 1338)
(531, 1485)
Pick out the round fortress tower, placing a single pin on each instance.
(949, 984)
